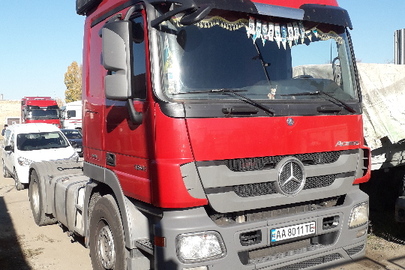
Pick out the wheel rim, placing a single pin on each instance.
(106, 247)
(35, 196)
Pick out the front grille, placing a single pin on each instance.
(226, 219)
(313, 262)
(260, 189)
(261, 163)
(355, 250)
(274, 253)
(320, 181)
(252, 190)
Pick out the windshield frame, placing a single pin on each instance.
(174, 105)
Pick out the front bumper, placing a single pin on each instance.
(332, 243)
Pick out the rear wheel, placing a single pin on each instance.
(18, 184)
(6, 173)
(107, 248)
(36, 201)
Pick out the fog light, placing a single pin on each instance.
(361, 233)
(199, 247)
(359, 215)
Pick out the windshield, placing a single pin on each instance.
(42, 114)
(43, 140)
(72, 134)
(263, 59)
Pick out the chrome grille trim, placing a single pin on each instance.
(269, 162)
(267, 188)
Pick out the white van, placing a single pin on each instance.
(28, 143)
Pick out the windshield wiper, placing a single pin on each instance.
(232, 92)
(244, 99)
(323, 94)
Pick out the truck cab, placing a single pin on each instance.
(71, 115)
(216, 134)
(40, 110)
(239, 113)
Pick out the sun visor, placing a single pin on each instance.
(84, 6)
(278, 11)
(254, 8)
(327, 14)
(307, 12)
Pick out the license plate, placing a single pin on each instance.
(294, 231)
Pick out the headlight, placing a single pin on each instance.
(199, 247)
(359, 215)
(74, 157)
(24, 161)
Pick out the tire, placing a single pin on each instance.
(107, 248)
(37, 199)
(6, 173)
(18, 184)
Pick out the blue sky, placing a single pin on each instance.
(374, 24)
(40, 39)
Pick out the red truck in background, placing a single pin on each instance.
(217, 134)
(40, 110)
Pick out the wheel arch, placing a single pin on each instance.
(40, 167)
(105, 181)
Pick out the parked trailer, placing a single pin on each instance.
(208, 144)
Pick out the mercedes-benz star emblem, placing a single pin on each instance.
(291, 176)
(290, 121)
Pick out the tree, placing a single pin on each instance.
(73, 82)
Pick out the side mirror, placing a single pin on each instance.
(8, 148)
(116, 52)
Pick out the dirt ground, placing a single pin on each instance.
(25, 246)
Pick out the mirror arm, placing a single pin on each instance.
(186, 6)
(136, 117)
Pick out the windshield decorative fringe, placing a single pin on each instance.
(217, 21)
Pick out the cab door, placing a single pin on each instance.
(128, 135)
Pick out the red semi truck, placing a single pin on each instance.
(40, 110)
(217, 134)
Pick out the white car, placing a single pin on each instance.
(28, 143)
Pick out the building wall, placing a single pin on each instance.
(9, 108)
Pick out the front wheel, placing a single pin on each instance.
(107, 248)
(37, 201)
